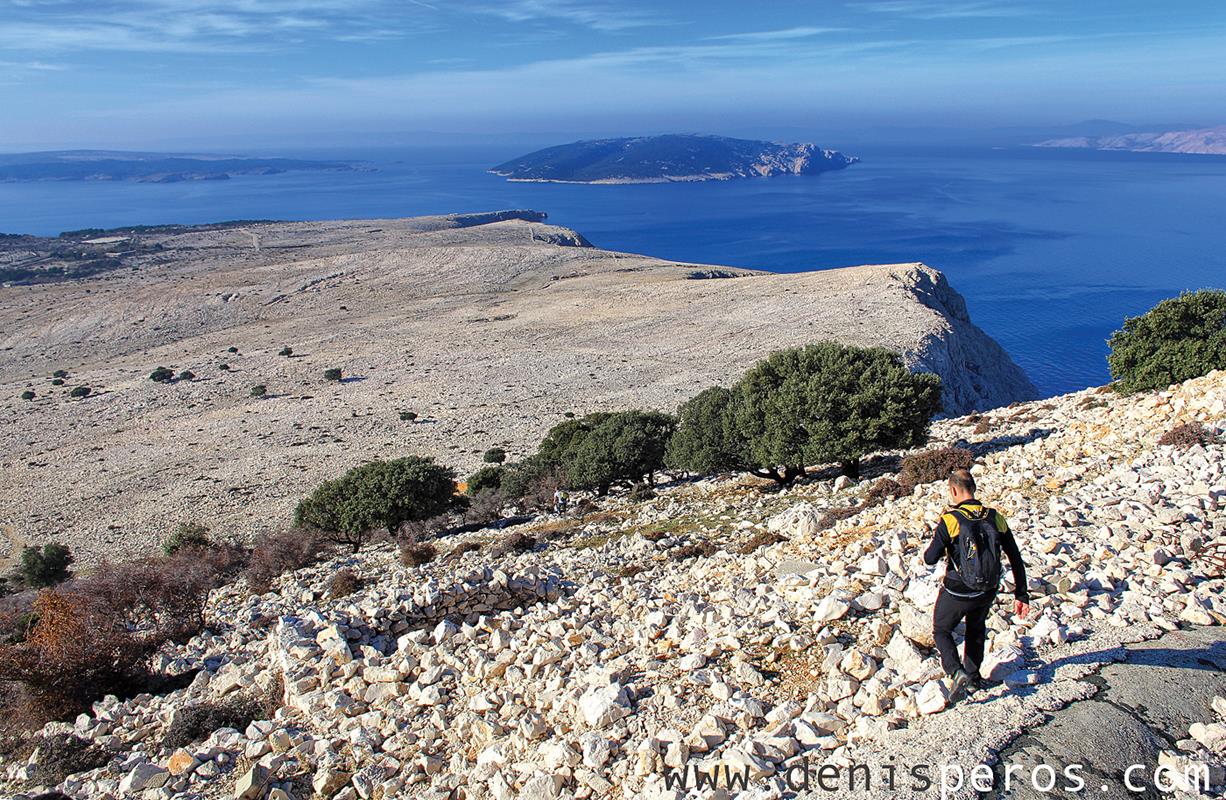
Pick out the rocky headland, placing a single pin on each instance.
(454, 334)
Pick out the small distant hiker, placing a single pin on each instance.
(560, 500)
(971, 537)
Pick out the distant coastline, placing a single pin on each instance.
(139, 167)
(1197, 141)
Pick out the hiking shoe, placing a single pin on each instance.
(983, 684)
(957, 686)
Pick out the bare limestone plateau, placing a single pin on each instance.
(718, 626)
(488, 327)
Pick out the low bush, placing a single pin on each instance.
(76, 652)
(982, 426)
(224, 367)
(186, 534)
(333, 374)
(80, 391)
(259, 390)
(641, 493)
(57, 382)
(278, 553)
(513, 543)
(932, 465)
(39, 568)
(408, 416)
(703, 548)
(485, 507)
(27, 395)
(1187, 434)
(187, 375)
(231, 349)
(414, 553)
(62, 754)
(60, 373)
(834, 515)
(471, 546)
(286, 351)
(760, 539)
(882, 490)
(162, 375)
(343, 583)
(495, 455)
(197, 722)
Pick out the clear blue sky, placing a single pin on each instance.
(149, 72)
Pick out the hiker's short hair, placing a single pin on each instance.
(962, 479)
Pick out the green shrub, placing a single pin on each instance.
(259, 390)
(530, 481)
(495, 455)
(60, 373)
(408, 416)
(826, 403)
(27, 395)
(232, 350)
(48, 566)
(224, 367)
(162, 375)
(378, 495)
(186, 534)
(187, 375)
(603, 449)
(57, 382)
(80, 391)
(703, 443)
(485, 479)
(333, 374)
(1180, 338)
(286, 351)
(929, 466)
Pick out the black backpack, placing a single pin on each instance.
(978, 547)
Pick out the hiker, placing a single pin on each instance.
(559, 501)
(971, 537)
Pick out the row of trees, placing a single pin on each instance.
(821, 404)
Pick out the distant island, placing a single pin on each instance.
(1204, 141)
(668, 159)
(116, 165)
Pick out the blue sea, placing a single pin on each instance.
(1051, 248)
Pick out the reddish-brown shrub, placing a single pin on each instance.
(343, 583)
(278, 553)
(932, 465)
(471, 546)
(1187, 434)
(77, 651)
(703, 548)
(514, 542)
(884, 489)
(760, 539)
(414, 553)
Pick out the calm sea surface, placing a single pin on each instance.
(1052, 249)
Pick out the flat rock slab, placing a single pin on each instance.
(792, 566)
(1144, 705)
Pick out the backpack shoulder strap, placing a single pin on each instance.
(953, 525)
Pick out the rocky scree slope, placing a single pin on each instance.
(668, 634)
(489, 327)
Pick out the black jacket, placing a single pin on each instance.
(942, 544)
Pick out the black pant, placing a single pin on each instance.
(949, 611)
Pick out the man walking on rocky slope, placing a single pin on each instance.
(971, 536)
